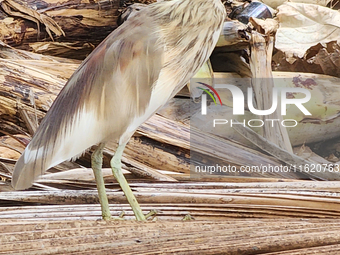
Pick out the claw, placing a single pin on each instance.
(188, 217)
(122, 214)
(150, 214)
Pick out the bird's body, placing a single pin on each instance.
(127, 78)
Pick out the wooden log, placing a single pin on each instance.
(77, 26)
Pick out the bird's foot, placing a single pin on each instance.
(122, 214)
(188, 217)
(110, 218)
(151, 215)
(114, 219)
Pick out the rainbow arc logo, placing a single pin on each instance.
(209, 93)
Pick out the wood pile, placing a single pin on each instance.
(43, 42)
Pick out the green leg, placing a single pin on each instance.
(116, 166)
(97, 162)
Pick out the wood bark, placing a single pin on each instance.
(75, 26)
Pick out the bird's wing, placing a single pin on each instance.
(111, 87)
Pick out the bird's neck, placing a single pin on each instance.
(188, 12)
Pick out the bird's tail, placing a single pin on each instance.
(50, 148)
(26, 171)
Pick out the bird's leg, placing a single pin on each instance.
(116, 166)
(97, 162)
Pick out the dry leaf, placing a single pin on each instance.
(275, 3)
(328, 61)
(267, 26)
(318, 59)
(300, 26)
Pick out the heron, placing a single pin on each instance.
(122, 83)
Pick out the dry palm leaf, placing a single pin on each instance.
(20, 10)
(230, 236)
(77, 25)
